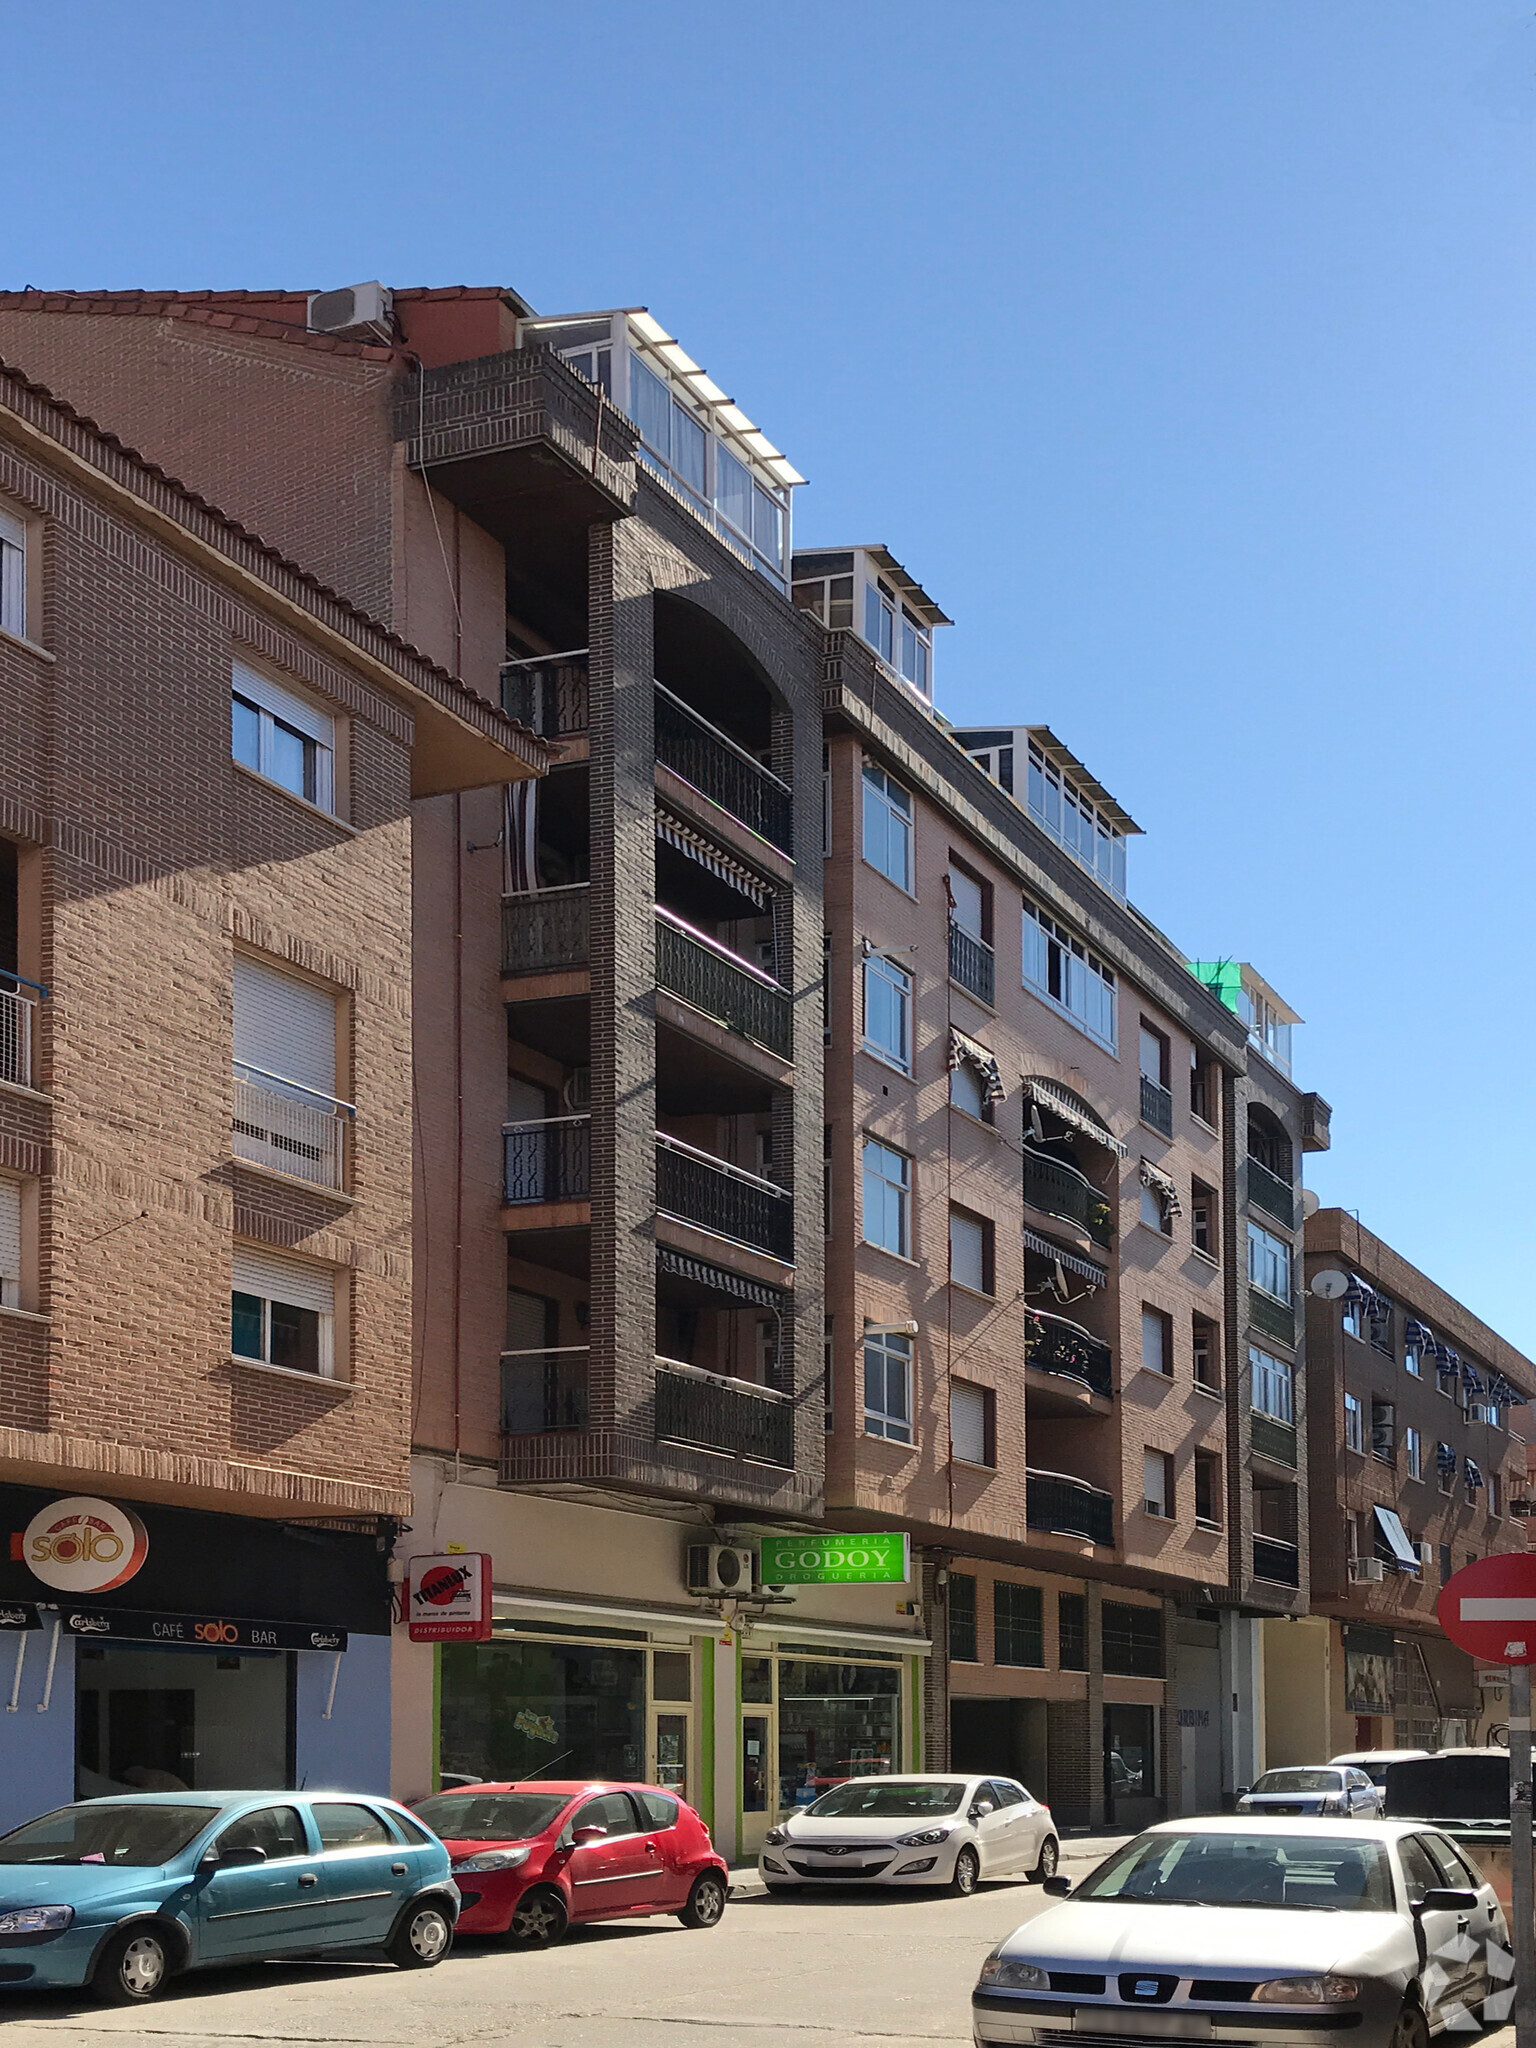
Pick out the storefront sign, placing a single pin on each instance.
(835, 1560)
(208, 1631)
(18, 1617)
(448, 1599)
(1369, 1670)
(83, 1545)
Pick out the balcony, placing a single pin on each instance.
(1267, 1191)
(971, 965)
(710, 978)
(1059, 1505)
(1276, 1560)
(1059, 1190)
(1156, 1105)
(547, 1161)
(713, 1195)
(545, 931)
(1055, 1345)
(1274, 1317)
(16, 1014)
(711, 1412)
(549, 694)
(718, 769)
(543, 1391)
(289, 1129)
(1273, 1439)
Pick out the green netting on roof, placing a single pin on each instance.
(1225, 976)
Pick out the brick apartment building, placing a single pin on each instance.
(1418, 1455)
(205, 1129)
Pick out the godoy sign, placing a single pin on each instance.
(882, 1560)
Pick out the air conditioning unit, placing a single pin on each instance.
(720, 1568)
(1426, 1556)
(1366, 1571)
(353, 306)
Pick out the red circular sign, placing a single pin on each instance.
(1488, 1609)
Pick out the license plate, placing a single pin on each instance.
(1151, 2026)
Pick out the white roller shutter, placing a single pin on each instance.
(284, 1026)
(968, 1423)
(10, 1242)
(966, 908)
(294, 1281)
(303, 716)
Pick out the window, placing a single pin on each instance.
(1413, 1445)
(962, 1618)
(826, 1180)
(1445, 1466)
(1384, 1430)
(1202, 1218)
(887, 826)
(1157, 1342)
(1268, 1031)
(1157, 1483)
(967, 1091)
(1273, 1385)
(10, 1244)
(1062, 969)
(276, 1831)
(1495, 1493)
(1204, 1088)
(880, 620)
(1154, 1055)
(916, 645)
(1269, 1262)
(827, 1356)
(1354, 1319)
(1072, 1631)
(1445, 1562)
(829, 597)
(1354, 1424)
(13, 575)
(970, 1251)
(1208, 1489)
(888, 1385)
(283, 738)
(1378, 1316)
(970, 902)
(888, 1011)
(282, 1312)
(1153, 1210)
(1206, 1341)
(350, 1827)
(887, 1198)
(1133, 1640)
(286, 1113)
(1413, 1356)
(1073, 819)
(972, 1431)
(1018, 1624)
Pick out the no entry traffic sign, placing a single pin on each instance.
(1488, 1609)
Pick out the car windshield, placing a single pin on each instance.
(1298, 1781)
(492, 1816)
(1283, 1871)
(887, 1799)
(99, 1831)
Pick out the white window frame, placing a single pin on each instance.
(1075, 822)
(968, 1405)
(891, 1351)
(1085, 990)
(276, 706)
(10, 1242)
(967, 1222)
(1413, 1445)
(897, 826)
(267, 1276)
(1152, 1210)
(1154, 1319)
(902, 1190)
(1273, 1385)
(899, 987)
(1354, 1424)
(1269, 1259)
(1159, 1462)
(13, 574)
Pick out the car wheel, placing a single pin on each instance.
(967, 1871)
(539, 1918)
(1050, 1856)
(1412, 2029)
(706, 1902)
(423, 1937)
(133, 1967)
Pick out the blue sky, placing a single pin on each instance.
(1182, 348)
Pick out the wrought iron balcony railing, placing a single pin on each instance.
(971, 963)
(1053, 1344)
(548, 693)
(715, 766)
(723, 985)
(715, 1413)
(289, 1128)
(1063, 1506)
(1267, 1191)
(545, 930)
(1056, 1189)
(1156, 1105)
(544, 1390)
(547, 1161)
(697, 1188)
(17, 1010)
(1276, 1560)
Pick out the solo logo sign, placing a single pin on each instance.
(448, 1599)
(835, 1560)
(83, 1545)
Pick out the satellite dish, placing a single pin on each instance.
(1330, 1284)
(1309, 1202)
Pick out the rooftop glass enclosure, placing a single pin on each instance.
(1058, 792)
(692, 435)
(1268, 1019)
(866, 591)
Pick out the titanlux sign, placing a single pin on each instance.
(835, 1560)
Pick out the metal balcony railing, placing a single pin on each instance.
(1267, 1191)
(1053, 1344)
(1056, 1189)
(547, 1161)
(715, 766)
(544, 930)
(1063, 1506)
(1276, 1560)
(16, 1013)
(1156, 1105)
(716, 1413)
(1274, 1439)
(291, 1129)
(544, 1390)
(711, 978)
(1274, 1317)
(549, 693)
(971, 963)
(697, 1188)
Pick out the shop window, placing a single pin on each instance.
(972, 1426)
(1018, 1625)
(1130, 1752)
(671, 1675)
(970, 1251)
(1133, 1640)
(188, 1718)
(282, 1312)
(510, 1707)
(836, 1721)
(888, 1385)
(962, 1618)
(1072, 1631)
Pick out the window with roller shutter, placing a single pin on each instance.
(10, 1244)
(286, 1113)
(13, 575)
(282, 1312)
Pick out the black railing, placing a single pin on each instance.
(718, 1197)
(1267, 1191)
(544, 930)
(1275, 1318)
(1052, 1344)
(738, 995)
(1063, 1506)
(1056, 1189)
(549, 693)
(715, 766)
(1274, 1439)
(1276, 1560)
(971, 963)
(550, 1161)
(719, 1414)
(544, 1390)
(1156, 1106)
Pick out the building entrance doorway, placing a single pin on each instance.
(179, 1718)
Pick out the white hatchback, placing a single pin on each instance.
(948, 1828)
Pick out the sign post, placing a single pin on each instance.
(1488, 1609)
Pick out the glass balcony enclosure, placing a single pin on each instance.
(692, 435)
(1056, 789)
(867, 591)
(1266, 1017)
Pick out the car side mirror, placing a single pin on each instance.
(981, 1808)
(232, 1859)
(1442, 1899)
(1058, 1887)
(589, 1834)
(1243, 1791)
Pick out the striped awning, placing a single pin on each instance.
(1162, 1186)
(963, 1049)
(1072, 1110)
(722, 865)
(1073, 1262)
(717, 1280)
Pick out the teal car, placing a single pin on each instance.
(123, 1894)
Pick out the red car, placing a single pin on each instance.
(530, 1859)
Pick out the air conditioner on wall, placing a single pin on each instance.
(1426, 1556)
(1366, 1571)
(353, 306)
(720, 1568)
